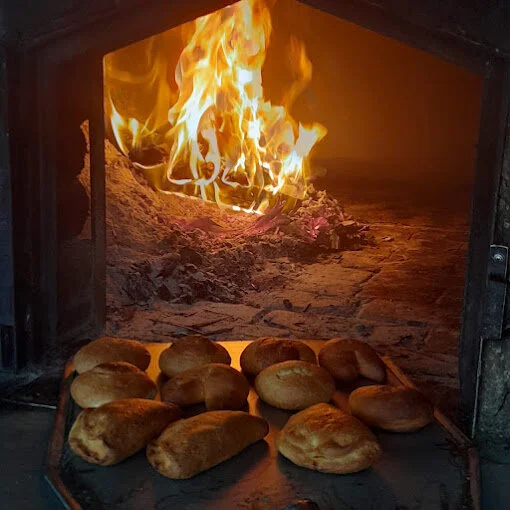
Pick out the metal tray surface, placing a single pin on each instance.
(427, 470)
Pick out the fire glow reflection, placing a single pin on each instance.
(223, 141)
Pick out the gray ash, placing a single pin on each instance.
(183, 250)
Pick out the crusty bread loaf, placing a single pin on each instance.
(110, 433)
(294, 385)
(191, 351)
(191, 446)
(111, 381)
(106, 349)
(265, 352)
(393, 408)
(219, 386)
(326, 439)
(348, 360)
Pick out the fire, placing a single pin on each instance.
(223, 140)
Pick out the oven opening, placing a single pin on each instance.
(281, 172)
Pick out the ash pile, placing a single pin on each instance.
(184, 250)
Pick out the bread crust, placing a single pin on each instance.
(349, 360)
(219, 386)
(323, 438)
(107, 349)
(189, 352)
(191, 446)
(393, 408)
(294, 385)
(265, 352)
(109, 382)
(108, 434)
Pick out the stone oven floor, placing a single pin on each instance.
(403, 294)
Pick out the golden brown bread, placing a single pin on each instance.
(216, 384)
(111, 381)
(348, 360)
(191, 446)
(265, 352)
(106, 349)
(326, 439)
(393, 408)
(110, 433)
(294, 385)
(189, 352)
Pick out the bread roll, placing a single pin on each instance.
(294, 385)
(189, 352)
(326, 439)
(106, 349)
(218, 385)
(265, 352)
(348, 360)
(111, 381)
(191, 446)
(110, 433)
(393, 408)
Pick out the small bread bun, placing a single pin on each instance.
(265, 352)
(348, 360)
(191, 446)
(218, 385)
(111, 381)
(323, 438)
(294, 385)
(106, 349)
(110, 433)
(189, 352)
(393, 408)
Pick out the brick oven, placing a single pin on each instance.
(412, 255)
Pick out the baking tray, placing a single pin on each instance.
(433, 469)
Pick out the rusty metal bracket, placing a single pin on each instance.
(496, 293)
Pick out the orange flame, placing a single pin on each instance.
(225, 142)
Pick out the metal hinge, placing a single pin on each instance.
(496, 293)
(494, 313)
